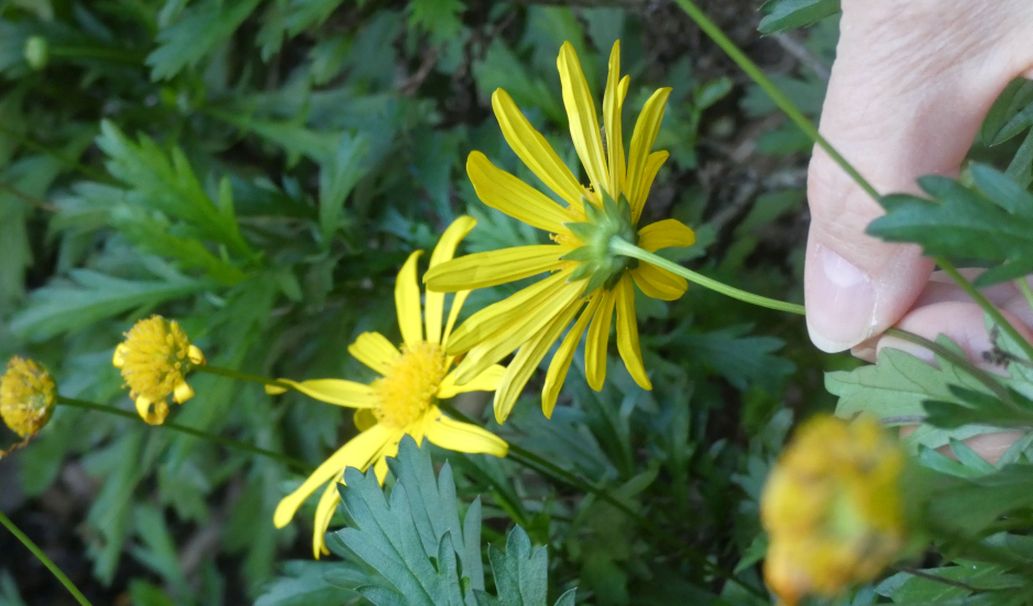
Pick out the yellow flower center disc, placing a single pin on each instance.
(410, 388)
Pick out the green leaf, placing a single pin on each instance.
(198, 32)
(971, 406)
(165, 182)
(896, 388)
(991, 221)
(400, 541)
(89, 297)
(1021, 166)
(788, 14)
(520, 572)
(970, 506)
(308, 583)
(741, 358)
(907, 588)
(414, 549)
(1010, 114)
(337, 177)
(440, 18)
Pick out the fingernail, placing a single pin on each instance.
(840, 302)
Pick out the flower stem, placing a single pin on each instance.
(623, 247)
(44, 559)
(291, 462)
(781, 100)
(240, 376)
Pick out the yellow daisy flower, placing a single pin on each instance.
(27, 396)
(833, 509)
(403, 400)
(586, 277)
(155, 358)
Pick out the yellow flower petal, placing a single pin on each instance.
(464, 437)
(357, 452)
(364, 419)
(531, 147)
(642, 139)
(613, 103)
(508, 194)
(627, 333)
(659, 283)
(668, 233)
(119, 358)
(645, 183)
(494, 267)
(332, 391)
(598, 339)
(495, 317)
(375, 351)
(434, 302)
(581, 113)
(486, 381)
(453, 314)
(407, 302)
(324, 513)
(526, 361)
(560, 364)
(153, 413)
(516, 326)
(182, 392)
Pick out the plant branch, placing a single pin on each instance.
(623, 247)
(44, 559)
(291, 462)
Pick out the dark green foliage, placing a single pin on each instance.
(259, 171)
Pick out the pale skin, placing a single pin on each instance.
(910, 85)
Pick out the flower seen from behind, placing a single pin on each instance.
(155, 358)
(833, 509)
(27, 396)
(587, 284)
(403, 399)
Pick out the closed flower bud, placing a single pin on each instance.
(833, 509)
(27, 396)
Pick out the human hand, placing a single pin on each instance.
(910, 86)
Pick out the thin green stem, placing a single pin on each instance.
(241, 376)
(988, 307)
(295, 464)
(623, 247)
(781, 100)
(44, 559)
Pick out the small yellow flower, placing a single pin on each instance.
(586, 277)
(403, 400)
(155, 358)
(27, 396)
(832, 507)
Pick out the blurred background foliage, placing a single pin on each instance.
(259, 170)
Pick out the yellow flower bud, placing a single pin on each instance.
(155, 358)
(832, 507)
(27, 396)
